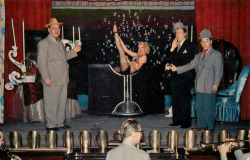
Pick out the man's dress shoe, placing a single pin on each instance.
(52, 129)
(212, 130)
(185, 126)
(65, 127)
(198, 129)
(174, 124)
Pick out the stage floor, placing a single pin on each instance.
(111, 124)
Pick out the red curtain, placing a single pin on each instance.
(35, 13)
(228, 20)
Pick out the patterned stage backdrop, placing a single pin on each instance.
(2, 35)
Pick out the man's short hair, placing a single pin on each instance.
(128, 127)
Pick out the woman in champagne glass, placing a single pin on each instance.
(139, 59)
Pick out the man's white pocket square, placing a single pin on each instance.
(185, 51)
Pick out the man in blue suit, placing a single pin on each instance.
(182, 52)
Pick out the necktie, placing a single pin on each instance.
(60, 46)
(204, 53)
(178, 47)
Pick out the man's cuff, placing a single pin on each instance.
(224, 158)
(178, 70)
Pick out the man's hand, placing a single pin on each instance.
(47, 82)
(167, 67)
(224, 148)
(214, 89)
(174, 45)
(77, 48)
(173, 68)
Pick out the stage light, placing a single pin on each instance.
(190, 139)
(102, 141)
(51, 139)
(155, 140)
(33, 139)
(15, 139)
(68, 141)
(223, 135)
(85, 141)
(173, 140)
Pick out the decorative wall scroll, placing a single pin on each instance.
(15, 77)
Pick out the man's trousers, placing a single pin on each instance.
(55, 102)
(181, 102)
(205, 105)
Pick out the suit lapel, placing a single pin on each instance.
(183, 47)
(207, 55)
(56, 47)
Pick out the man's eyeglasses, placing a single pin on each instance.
(56, 29)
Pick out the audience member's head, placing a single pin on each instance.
(131, 131)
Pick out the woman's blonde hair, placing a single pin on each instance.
(146, 46)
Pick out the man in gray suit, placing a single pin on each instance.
(209, 69)
(132, 133)
(52, 63)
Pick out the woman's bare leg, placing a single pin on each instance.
(123, 61)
